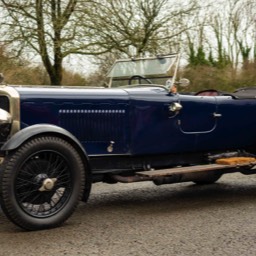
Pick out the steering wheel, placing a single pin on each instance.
(140, 78)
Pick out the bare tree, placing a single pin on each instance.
(227, 36)
(49, 28)
(54, 29)
(137, 27)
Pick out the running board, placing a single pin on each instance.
(191, 169)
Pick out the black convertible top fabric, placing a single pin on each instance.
(242, 93)
(245, 93)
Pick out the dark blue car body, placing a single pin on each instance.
(139, 122)
(126, 134)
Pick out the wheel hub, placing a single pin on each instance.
(47, 184)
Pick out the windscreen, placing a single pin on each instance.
(142, 67)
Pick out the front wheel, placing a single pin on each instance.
(41, 183)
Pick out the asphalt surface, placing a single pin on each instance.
(144, 219)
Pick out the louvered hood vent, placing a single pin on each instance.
(95, 125)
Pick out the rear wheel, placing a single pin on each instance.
(41, 183)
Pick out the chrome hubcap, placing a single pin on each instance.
(47, 184)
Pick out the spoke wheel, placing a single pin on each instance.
(41, 183)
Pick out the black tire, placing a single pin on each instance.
(41, 183)
(207, 178)
(87, 188)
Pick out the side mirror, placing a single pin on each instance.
(184, 82)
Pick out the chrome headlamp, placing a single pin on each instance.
(5, 124)
(5, 117)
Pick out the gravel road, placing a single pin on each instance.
(144, 219)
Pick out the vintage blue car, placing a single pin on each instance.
(57, 141)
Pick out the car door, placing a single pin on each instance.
(157, 128)
(198, 114)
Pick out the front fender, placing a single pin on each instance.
(40, 129)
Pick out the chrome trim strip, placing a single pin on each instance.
(103, 155)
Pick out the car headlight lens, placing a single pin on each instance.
(5, 124)
(5, 117)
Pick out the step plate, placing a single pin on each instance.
(188, 169)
